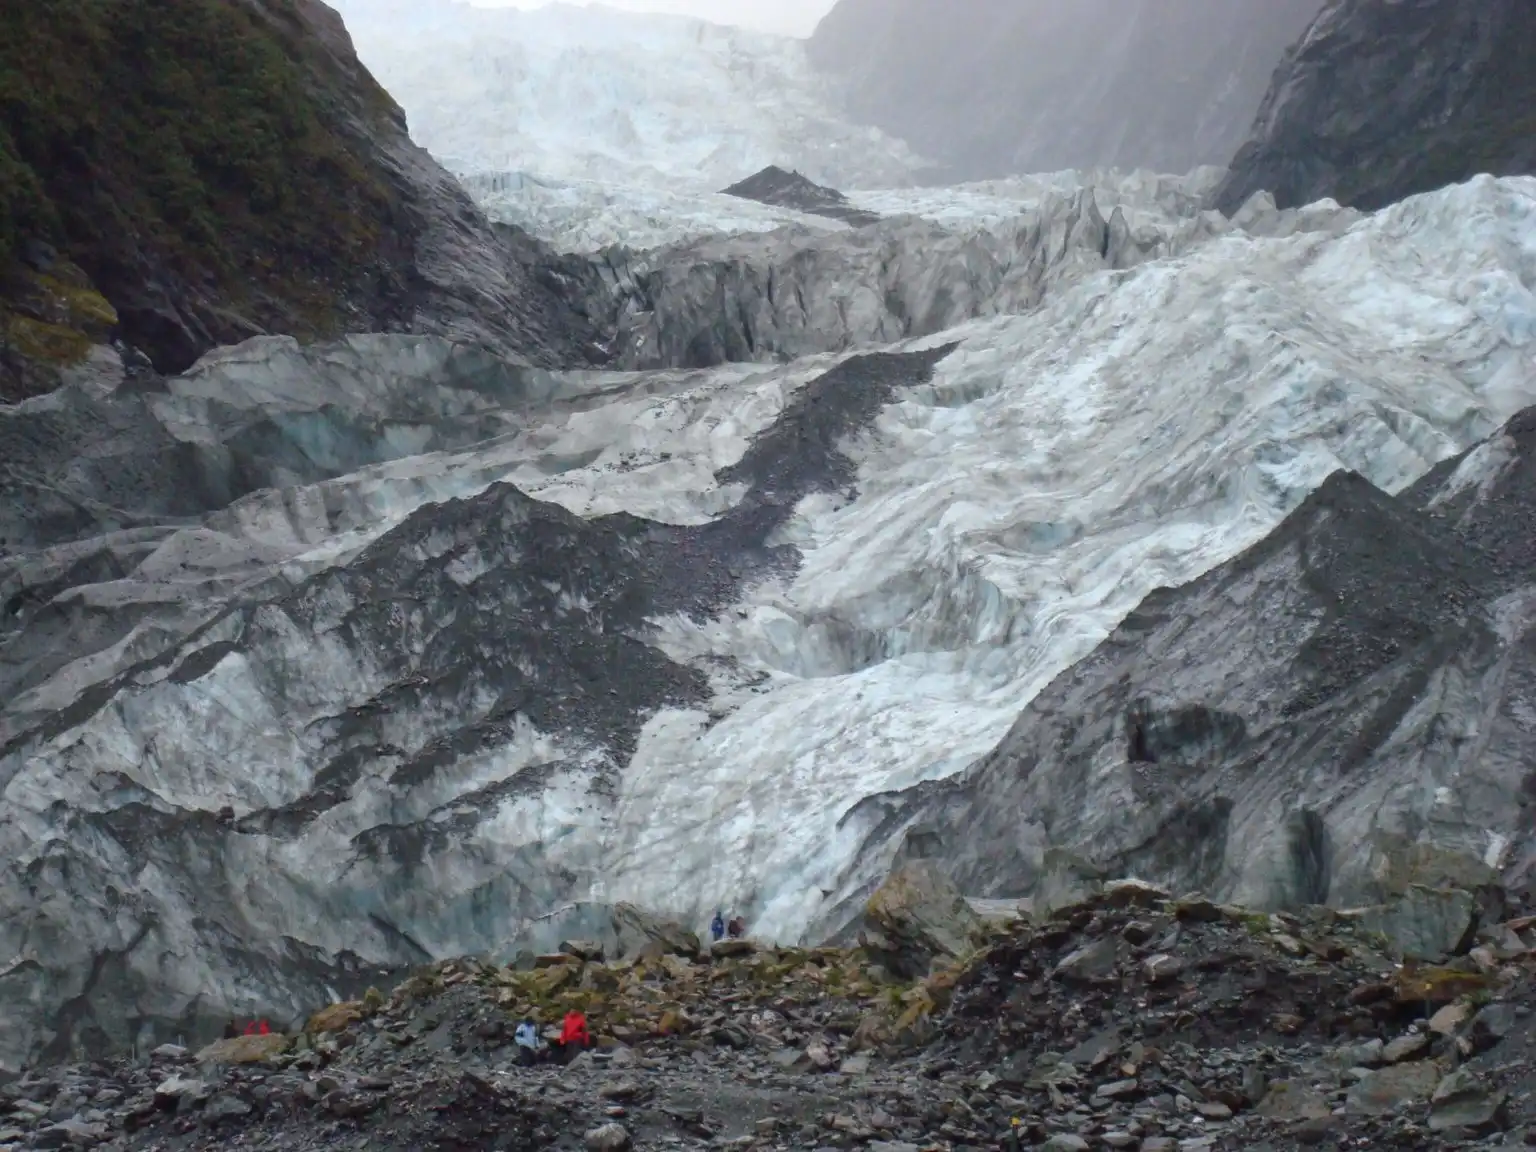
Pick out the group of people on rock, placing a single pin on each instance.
(532, 1048)
(720, 928)
(254, 1028)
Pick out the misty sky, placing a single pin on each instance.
(794, 17)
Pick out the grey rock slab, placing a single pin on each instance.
(1465, 1100)
(607, 1138)
(1388, 1090)
(1093, 961)
(1292, 1100)
(1367, 1054)
(1405, 1047)
(1428, 924)
(1491, 1024)
(225, 1106)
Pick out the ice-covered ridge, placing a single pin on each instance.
(1135, 431)
(588, 215)
(1005, 513)
(577, 93)
(1141, 194)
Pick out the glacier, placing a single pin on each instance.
(589, 215)
(569, 92)
(407, 645)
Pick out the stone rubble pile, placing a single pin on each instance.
(1128, 1019)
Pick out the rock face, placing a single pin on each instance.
(246, 175)
(784, 189)
(985, 88)
(1295, 727)
(1385, 98)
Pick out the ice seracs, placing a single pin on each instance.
(427, 641)
(578, 93)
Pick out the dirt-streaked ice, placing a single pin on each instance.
(1137, 428)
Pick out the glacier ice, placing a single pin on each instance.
(576, 93)
(335, 649)
(589, 215)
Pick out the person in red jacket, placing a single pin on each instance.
(574, 1037)
(575, 1031)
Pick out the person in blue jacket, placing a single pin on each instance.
(530, 1044)
(717, 925)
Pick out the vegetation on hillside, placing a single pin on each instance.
(210, 149)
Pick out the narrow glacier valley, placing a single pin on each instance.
(406, 646)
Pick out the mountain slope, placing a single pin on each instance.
(991, 87)
(186, 173)
(1383, 100)
(321, 661)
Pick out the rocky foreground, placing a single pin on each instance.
(1125, 1019)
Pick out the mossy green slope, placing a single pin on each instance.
(192, 171)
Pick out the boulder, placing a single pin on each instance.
(1399, 866)
(726, 948)
(587, 950)
(245, 1049)
(1387, 1091)
(176, 1091)
(592, 931)
(635, 928)
(607, 1138)
(1491, 1025)
(1465, 1100)
(1405, 1047)
(1093, 961)
(1065, 880)
(915, 917)
(1428, 924)
(335, 1018)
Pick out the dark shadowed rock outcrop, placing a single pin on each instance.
(991, 87)
(1382, 100)
(1336, 715)
(784, 189)
(178, 174)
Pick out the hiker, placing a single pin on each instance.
(258, 1028)
(530, 1045)
(231, 1031)
(737, 928)
(717, 925)
(1014, 1141)
(574, 1037)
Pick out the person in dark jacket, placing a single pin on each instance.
(717, 925)
(737, 928)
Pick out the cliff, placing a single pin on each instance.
(1384, 100)
(179, 174)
